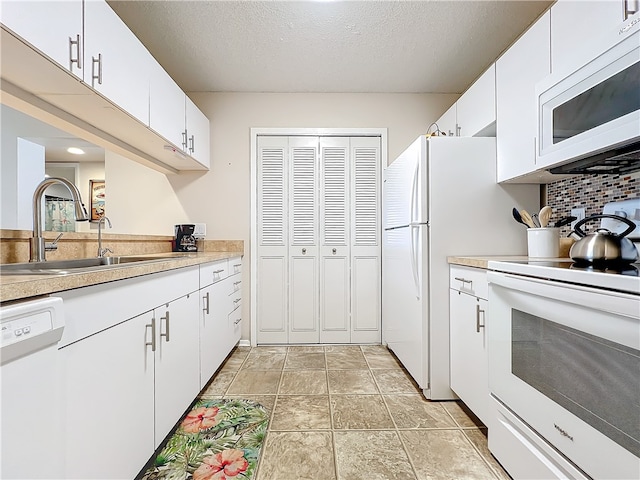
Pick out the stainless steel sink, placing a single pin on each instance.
(61, 267)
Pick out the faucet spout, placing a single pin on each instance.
(102, 251)
(37, 242)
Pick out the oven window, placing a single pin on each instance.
(613, 98)
(595, 379)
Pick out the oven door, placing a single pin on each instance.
(565, 359)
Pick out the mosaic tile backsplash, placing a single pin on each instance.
(590, 192)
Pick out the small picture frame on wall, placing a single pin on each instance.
(97, 195)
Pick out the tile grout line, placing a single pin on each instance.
(333, 432)
(393, 420)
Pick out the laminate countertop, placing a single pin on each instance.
(20, 286)
(482, 262)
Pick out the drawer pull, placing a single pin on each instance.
(238, 282)
(464, 280)
(238, 321)
(237, 300)
(237, 265)
(215, 272)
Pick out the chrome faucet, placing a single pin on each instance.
(102, 251)
(38, 245)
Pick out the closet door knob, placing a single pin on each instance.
(304, 250)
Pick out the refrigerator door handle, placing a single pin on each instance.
(414, 188)
(415, 238)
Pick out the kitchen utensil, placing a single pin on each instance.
(564, 221)
(536, 221)
(526, 219)
(516, 216)
(603, 246)
(545, 215)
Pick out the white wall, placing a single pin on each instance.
(220, 198)
(139, 200)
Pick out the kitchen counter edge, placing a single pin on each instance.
(16, 287)
(483, 262)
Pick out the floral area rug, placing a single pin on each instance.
(216, 440)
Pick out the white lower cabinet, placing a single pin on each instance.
(109, 414)
(131, 364)
(177, 361)
(468, 349)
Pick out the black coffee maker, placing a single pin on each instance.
(184, 240)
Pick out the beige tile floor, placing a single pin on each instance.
(352, 412)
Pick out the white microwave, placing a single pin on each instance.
(589, 120)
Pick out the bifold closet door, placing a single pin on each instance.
(272, 282)
(303, 240)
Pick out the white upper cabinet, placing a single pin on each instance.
(476, 108)
(53, 27)
(517, 72)
(474, 114)
(116, 64)
(174, 116)
(581, 30)
(197, 128)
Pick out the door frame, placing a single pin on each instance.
(253, 227)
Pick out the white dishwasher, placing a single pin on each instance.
(31, 441)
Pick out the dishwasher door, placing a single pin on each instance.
(31, 441)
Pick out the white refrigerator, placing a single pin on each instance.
(440, 198)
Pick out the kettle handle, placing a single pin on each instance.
(630, 224)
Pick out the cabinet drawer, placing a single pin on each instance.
(469, 280)
(235, 318)
(213, 272)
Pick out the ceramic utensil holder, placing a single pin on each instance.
(543, 242)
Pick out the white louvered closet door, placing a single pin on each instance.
(365, 240)
(273, 240)
(334, 240)
(303, 240)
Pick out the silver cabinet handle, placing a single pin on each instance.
(458, 130)
(206, 300)
(215, 272)
(630, 10)
(97, 77)
(78, 59)
(184, 140)
(464, 280)
(237, 300)
(152, 343)
(191, 144)
(237, 321)
(478, 324)
(238, 282)
(304, 250)
(166, 319)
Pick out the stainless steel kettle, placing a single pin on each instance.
(603, 246)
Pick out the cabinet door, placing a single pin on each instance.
(49, 26)
(117, 64)
(334, 241)
(476, 108)
(197, 126)
(517, 72)
(213, 328)
(273, 230)
(447, 123)
(303, 240)
(581, 30)
(365, 262)
(108, 378)
(167, 107)
(177, 361)
(469, 369)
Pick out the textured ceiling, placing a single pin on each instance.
(429, 46)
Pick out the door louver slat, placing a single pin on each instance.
(366, 197)
(272, 197)
(304, 196)
(334, 201)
